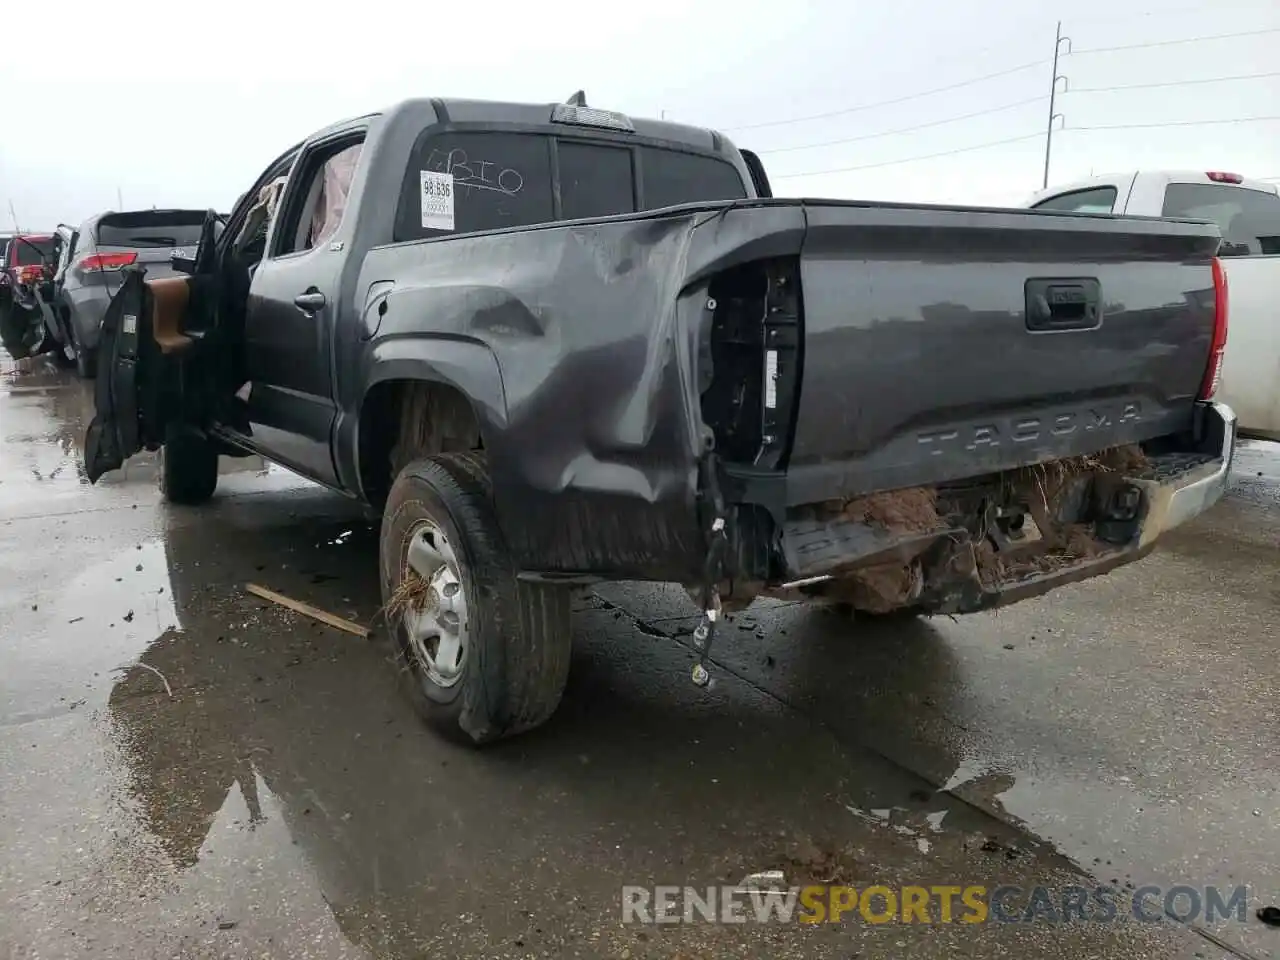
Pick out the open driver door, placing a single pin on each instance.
(138, 392)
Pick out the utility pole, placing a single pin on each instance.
(119, 199)
(1053, 99)
(14, 217)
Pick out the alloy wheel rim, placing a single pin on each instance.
(436, 621)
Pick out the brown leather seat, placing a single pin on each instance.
(169, 299)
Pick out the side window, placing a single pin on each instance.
(595, 180)
(317, 199)
(1094, 200)
(672, 177)
(498, 180)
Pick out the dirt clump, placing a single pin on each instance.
(882, 588)
(912, 510)
(810, 863)
(1128, 459)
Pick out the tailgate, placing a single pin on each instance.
(942, 343)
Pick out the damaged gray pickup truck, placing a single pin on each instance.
(553, 344)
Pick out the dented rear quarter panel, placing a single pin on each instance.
(573, 342)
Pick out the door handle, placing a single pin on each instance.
(309, 302)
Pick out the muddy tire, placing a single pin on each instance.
(483, 656)
(86, 364)
(188, 467)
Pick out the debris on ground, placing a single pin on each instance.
(1270, 916)
(764, 880)
(307, 610)
(146, 666)
(813, 864)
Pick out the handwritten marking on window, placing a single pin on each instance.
(476, 174)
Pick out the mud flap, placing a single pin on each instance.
(116, 432)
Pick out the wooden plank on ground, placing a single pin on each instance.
(307, 610)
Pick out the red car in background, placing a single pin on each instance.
(27, 259)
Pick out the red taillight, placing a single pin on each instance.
(29, 274)
(1213, 372)
(1217, 176)
(107, 261)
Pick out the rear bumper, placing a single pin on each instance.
(1175, 502)
(946, 573)
(1169, 503)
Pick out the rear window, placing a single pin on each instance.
(671, 177)
(1248, 219)
(20, 253)
(596, 180)
(1093, 200)
(506, 180)
(151, 228)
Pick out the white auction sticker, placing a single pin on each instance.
(437, 200)
(771, 380)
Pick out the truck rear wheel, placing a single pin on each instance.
(188, 467)
(486, 655)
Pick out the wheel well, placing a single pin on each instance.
(404, 419)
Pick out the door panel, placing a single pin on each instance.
(118, 429)
(289, 359)
(292, 308)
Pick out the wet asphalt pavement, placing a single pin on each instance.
(189, 771)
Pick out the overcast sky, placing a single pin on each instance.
(182, 104)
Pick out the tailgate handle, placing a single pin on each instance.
(1066, 304)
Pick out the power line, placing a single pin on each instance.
(894, 163)
(1163, 14)
(1175, 123)
(1172, 83)
(1010, 71)
(895, 100)
(914, 127)
(1171, 43)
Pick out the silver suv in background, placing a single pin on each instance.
(100, 250)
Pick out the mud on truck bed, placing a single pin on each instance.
(619, 357)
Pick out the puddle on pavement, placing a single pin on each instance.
(43, 467)
(62, 652)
